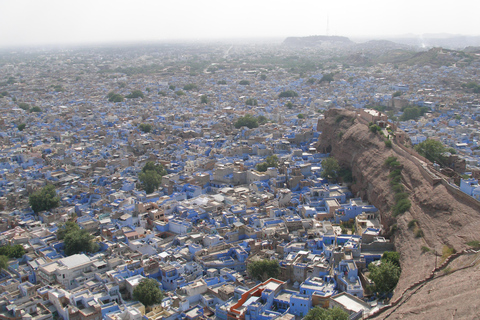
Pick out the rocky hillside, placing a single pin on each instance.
(444, 220)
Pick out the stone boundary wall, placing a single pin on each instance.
(432, 178)
(460, 195)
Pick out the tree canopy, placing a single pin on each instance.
(148, 292)
(21, 126)
(151, 176)
(3, 262)
(288, 94)
(246, 121)
(244, 82)
(263, 269)
(66, 228)
(203, 99)
(79, 240)
(251, 102)
(385, 276)
(190, 86)
(262, 120)
(327, 77)
(15, 251)
(433, 150)
(44, 199)
(135, 94)
(318, 313)
(35, 109)
(114, 97)
(145, 127)
(24, 106)
(330, 168)
(413, 113)
(392, 256)
(271, 161)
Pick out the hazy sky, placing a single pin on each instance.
(26, 22)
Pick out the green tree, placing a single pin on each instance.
(171, 87)
(21, 126)
(150, 181)
(222, 82)
(244, 82)
(148, 292)
(433, 150)
(145, 127)
(263, 77)
(115, 97)
(190, 86)
(396, 94)
(157, 167)
(135, 94)
(330, 168)
(262, 120)
(44, 199)
(300, 116)
(180, 93)
(203, 99)
(392, 256)
(151, 176)
(289, 105)
(251, 102)
(35, 109)
(288, 94)
(385, 276)
(77, 241)
(271, 161)
(15, 251)
(3, 262)
(318, 313)
(327, 77)
(246, 121)
(58, 88)
(411, 113)
(24, 106)
(263, 269)
(67, 227)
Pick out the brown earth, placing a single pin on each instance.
(444, 220)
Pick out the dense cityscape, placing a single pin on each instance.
(190, 181)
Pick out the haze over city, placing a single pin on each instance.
(32, 22)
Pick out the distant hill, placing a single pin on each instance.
(374, 52)
(472, 50)
(381, 45)
(314, 41)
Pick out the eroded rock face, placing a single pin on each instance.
(444, 219)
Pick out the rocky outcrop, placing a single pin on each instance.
(444, 220)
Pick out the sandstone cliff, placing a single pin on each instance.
(445, 219)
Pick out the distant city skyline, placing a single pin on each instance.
(33, 22)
